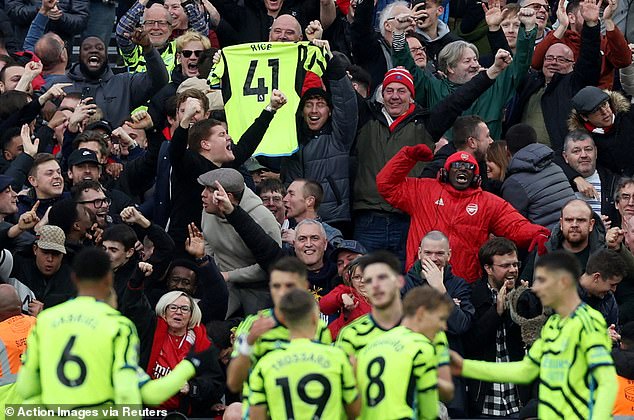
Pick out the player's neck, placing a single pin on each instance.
(95, 291)
(389, 317)
(567, 305)
(297, 334)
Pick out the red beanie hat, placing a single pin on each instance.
(402, 76)
(462, 157)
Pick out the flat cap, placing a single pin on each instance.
(589, 99)
(230, 179)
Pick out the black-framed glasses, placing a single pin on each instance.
(98, 202)
(506, 266)
(538, 6)
(463, 165)
(183, 308)
(560, 60)
(188, 53)
(418, 50)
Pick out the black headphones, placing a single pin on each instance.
(443, 176)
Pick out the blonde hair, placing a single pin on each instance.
(170, 297)
(191, 36)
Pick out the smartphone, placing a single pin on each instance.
(85, 93)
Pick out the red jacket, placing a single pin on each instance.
(332, 302)
(467, 217)
(615, 52)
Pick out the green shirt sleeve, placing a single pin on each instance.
(157, 391)
(607, 387)
(426, 386)
(348, 381)
(28, 383)
(124, 368)
(257, 395)
(522, 372)
(442, 348)
(424, 83)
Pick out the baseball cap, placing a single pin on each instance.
(5, 181)
(252, 165)
(101, 124)
(230, 179)
(589, 99)
(80, 156)
(51, 238)
(349, 245)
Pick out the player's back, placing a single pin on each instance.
(355, 336)
(78, 346)
(567, 352)
(304, 380)
(397, 376)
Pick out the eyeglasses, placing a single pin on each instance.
(538, 6)
(98, 202)
(418, 50)
(626, 197)
(156, 22)
(559, 60)
(183, 308)
(188, 53)
(506, 266)
(358, 278)
(463, 165)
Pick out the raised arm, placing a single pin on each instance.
(126, 26)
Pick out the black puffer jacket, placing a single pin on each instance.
(324, 156)
(536, 186)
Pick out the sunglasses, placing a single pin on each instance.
(188, 53)
(463, 165)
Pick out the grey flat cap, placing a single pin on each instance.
(589, 99)
(230, 179)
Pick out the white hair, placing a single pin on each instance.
(170, 297)
(386, 13)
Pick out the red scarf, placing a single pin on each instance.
(402, 117)
(170, 350)
(591, 127)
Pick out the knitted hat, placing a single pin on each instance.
(402, 76)
(519, 136)
(462, 157)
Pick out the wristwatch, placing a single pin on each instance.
(203, 259)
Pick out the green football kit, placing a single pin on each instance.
(573, 362)
(248, 73)
(398, 377)
(304, 380)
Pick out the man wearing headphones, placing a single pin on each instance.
(455, 204)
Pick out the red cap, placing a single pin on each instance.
(402, 76)
(462, 157)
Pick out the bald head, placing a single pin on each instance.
(51, 50)
(559, 58)
(10, 303)
(285, 29)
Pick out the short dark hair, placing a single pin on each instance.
(8, 66)
(78, 189)
(192, 93)
(91, 264)
(519, 136)
(64, 214)
(89, 136)
(426, 297)
(170, 107)
(12, 101)
(123, 234)
(560, 260)
(360, 75)
(606, 262)
(297, 305)
(290, 265)
(623, 182)
(381, 257)
(465, 126)
(8, 135)
(314, 189)
(627, 334)
(572, 6)
(40, 159)
(495, 246)
(271, 185)
(199, 132)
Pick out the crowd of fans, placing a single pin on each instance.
(467, 138)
